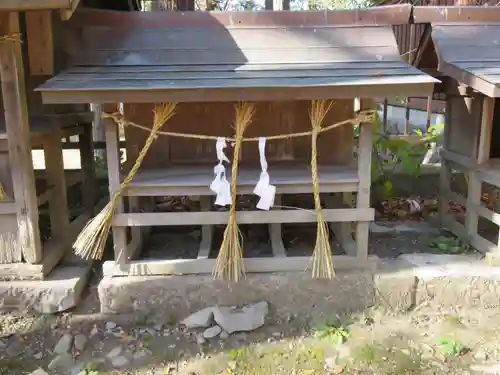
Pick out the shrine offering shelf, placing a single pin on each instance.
(195, 179)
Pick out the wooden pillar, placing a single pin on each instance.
(113, 161)
(56, 181)
(18, 133)
(364, 172)
(480, 154)
(89, 186)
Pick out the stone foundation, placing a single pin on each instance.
(59, 292)
(400, 284)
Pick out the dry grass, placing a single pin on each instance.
(91, 242)
(229, 263)
(322, 255)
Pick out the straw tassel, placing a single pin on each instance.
(2, 192)
(91, 241)
(322, 256)
(229, 264)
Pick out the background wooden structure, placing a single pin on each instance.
(24, 65)
(281, 60)
(463, 52)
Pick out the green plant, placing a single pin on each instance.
(451, 245)
(333, 330)
(389, 153)
(451, 348)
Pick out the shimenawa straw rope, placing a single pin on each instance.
(91, 241)
(363, 116)
(229, 264)
(15, 37)
(322, 255)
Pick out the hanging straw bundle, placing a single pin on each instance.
(322, 255)
(229, 263)
(2, 192)
(91, 241)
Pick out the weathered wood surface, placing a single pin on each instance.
(465, 119)
(40, 42)
(216, 119)
(22, 5)
(18, 132)
(452, 14)
(387, 15)
(470, 54)
(246, 57)
(205, 266)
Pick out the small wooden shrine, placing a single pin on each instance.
(299, 81)
(462, 48)
(27, 59)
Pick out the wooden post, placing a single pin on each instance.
(89, 191)
(98, 133)
(480, 154)
(364, 172)
(18, 133)
(445, 173)
(56, 181)
(113, 150)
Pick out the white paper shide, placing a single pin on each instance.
(264, 189)
(220, 185)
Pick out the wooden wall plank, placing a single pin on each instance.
(40, 42)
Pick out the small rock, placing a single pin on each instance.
(115, 352)
(487, 369)
(15, 348)
(158, 327)
(139, 355)
(247, 319)
(64, 344)
(110, 326)
(212, 332)
(200, 319)
(343, 352)
(39, 371)
(481, 355)
(276, 334)
(80, 342)
(38, 355)
(200, 340)
(63, 360)
(232, 365)
(119, 361)
(224, 335)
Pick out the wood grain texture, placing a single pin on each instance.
(40, 42)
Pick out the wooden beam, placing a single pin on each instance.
(23, 5)
(243, 217)
(40, 42)
(18, 132)
(67, 13)
(444, 14)
(252, 265)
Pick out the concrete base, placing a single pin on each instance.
(400, 284)
(59, 292)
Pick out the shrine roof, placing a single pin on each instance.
(218, 62)
(470, 54)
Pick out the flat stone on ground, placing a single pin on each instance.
(64, 344)
(62, 361)
(199, 319)
(212, 332)
(60, 291)
(248, 318)
(39, 371)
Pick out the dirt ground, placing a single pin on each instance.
(423, 341)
